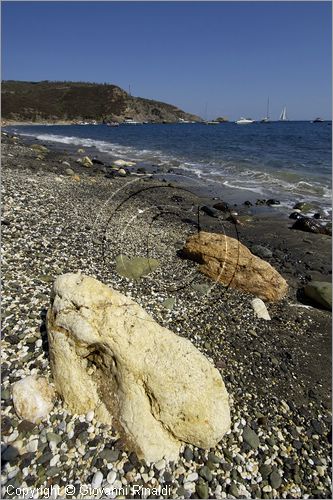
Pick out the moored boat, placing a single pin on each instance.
(244, 121)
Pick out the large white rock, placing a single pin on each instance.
(110, 356)
(33, 398)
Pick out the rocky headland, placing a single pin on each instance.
(252, 323)
(72, 102)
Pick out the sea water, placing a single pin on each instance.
(289, 161)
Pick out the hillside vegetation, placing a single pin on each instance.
(76, 101)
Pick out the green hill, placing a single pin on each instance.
(77, 101)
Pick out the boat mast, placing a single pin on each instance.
(267, 108)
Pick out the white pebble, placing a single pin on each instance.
(54, 460)
(160, 465)
(12, 436)
(32, 446)
(39, 343)
(111, 477)
(90, 416)
(260, 309)
(192, 477)
(97, 480)
(189, 486)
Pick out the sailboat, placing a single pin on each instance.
(283, 115)
(266, 119)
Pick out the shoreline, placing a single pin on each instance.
(58, 222)
(206, 187)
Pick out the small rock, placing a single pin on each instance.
(275, 480)
(222, 206)
(169, 303)
(52, 437)
(262, 252)
(10, 454)
(111, 477)
(188, 454)
(192, 477)
(211, 211)
(97, 480)
(260, 309)
(90, 416)
(160, 465)
(109, 455)
(233, 490)
(205, 473)
(32, 446)
(202, 490)
(136, 267)
(250, 437)
(69, 171)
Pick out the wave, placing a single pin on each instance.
(288, 185)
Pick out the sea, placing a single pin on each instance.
(289, 161)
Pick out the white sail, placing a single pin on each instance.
(283, 115)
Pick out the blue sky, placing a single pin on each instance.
(223, 56)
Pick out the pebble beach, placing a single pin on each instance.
(59, 216)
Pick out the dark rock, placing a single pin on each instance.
(10, 454)
(80, 427)
(127, 467)
(109, 455)
(212, 212)
(46, 457)
(262, 252)
(52, 471)
(222, 206)
(317, 427)
(141, 170)
(205, 473)
(275, 480)
(320, 292)
(6, 425)
(181, 492)
(265, 470)
(272, 201)
(96, 161)
(26, 459)
(261, 202)
(309, 225)
(176, 198)
(167, 476)
(303, 206)
(188, 454)
(250, 437)
(134, 459)
(247, 203)
(26, 427)
(233, 490)
(213, 458)
(295, 215)
(202, 490)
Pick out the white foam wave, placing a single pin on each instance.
(233, 175)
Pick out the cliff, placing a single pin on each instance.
(79, 101)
